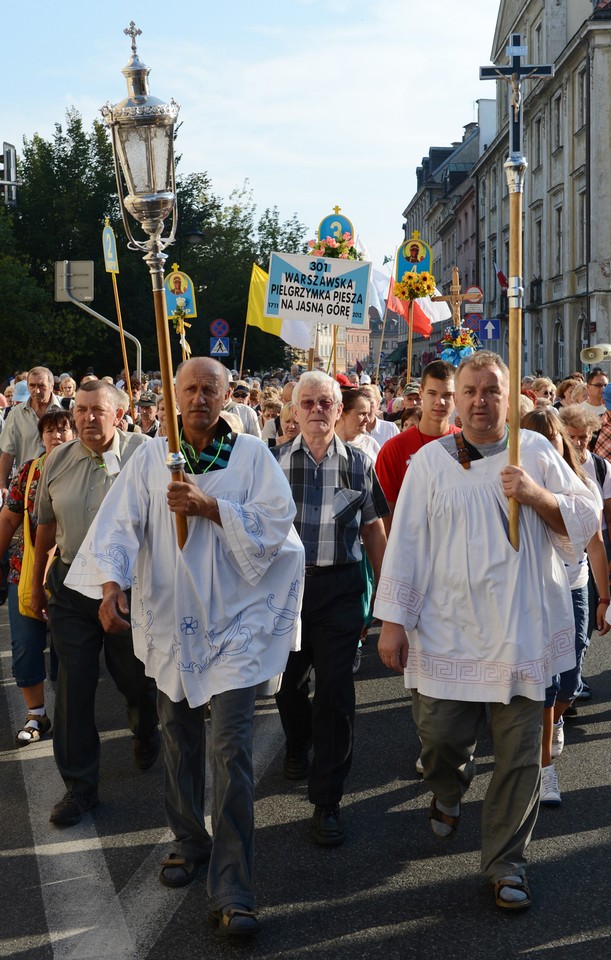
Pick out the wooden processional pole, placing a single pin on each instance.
(515, 168)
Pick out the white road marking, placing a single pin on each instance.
(86, 917)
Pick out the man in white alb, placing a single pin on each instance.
(472, 622)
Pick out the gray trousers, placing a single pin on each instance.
(229, 733)
(448, 730)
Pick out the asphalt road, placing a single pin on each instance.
(392, 891)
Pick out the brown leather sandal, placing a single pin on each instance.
(521, 883)
(435, 814)
(235, 921)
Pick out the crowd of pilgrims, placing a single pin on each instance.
(573, 414)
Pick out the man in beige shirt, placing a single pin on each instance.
(70, 492)
(20, 440)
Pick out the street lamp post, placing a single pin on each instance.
(142, 133)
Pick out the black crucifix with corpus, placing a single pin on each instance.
(515, 167)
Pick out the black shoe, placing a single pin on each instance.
(296, 764)
(586, 693)
(147, 749)
(70, 809)
(326, 827)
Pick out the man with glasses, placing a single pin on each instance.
(339, 504)
(596, 382)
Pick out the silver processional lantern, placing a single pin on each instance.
(142, 132)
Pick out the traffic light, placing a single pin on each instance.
(8, 174)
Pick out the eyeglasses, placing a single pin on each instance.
(599, 385)
(240, 393)
(324, 404)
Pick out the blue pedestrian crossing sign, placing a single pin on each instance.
(219, 346)
(490, 329)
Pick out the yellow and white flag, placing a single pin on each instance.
(294, 332)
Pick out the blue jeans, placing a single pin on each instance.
(230, 729)
(566, 686)
(28, 642)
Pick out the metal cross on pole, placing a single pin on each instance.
(515, 168)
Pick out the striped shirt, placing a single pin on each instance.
(333, 499)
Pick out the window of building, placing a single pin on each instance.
(581, 98)
(582, 228)
(558, 347)
(539, 347)
(538, 43)
(537, 145)
(558, 240)
(557, 122)
(538, 264)
(493, 185)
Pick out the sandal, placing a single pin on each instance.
(235, 922)
(515, 883)
(435, 814)
(187, 871)
(33, 730)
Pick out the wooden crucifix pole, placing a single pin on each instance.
(515, 168)
(455, 298)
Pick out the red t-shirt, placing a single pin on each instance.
(394, 456)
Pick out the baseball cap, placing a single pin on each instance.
(148, 399)
(410, 388)
(21, 393)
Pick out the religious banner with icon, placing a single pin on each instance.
(179, 287)
(413, 256)
(180, 301)
(335, 225)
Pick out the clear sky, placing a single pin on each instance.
(315, 102)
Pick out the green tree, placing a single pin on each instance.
(68, 190)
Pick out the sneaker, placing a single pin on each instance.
(419, 766)
(550, 791)
(558, 738)
(585, 693)
(70, 809)
(356, 666)
(147, 749)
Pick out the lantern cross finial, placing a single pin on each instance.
(133, 32)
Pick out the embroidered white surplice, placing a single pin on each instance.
(485, 623)
(223, 613)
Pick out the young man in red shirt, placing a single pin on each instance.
(437, 392)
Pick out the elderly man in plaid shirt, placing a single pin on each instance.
(340, 506)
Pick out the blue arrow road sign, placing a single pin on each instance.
(490, 329)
